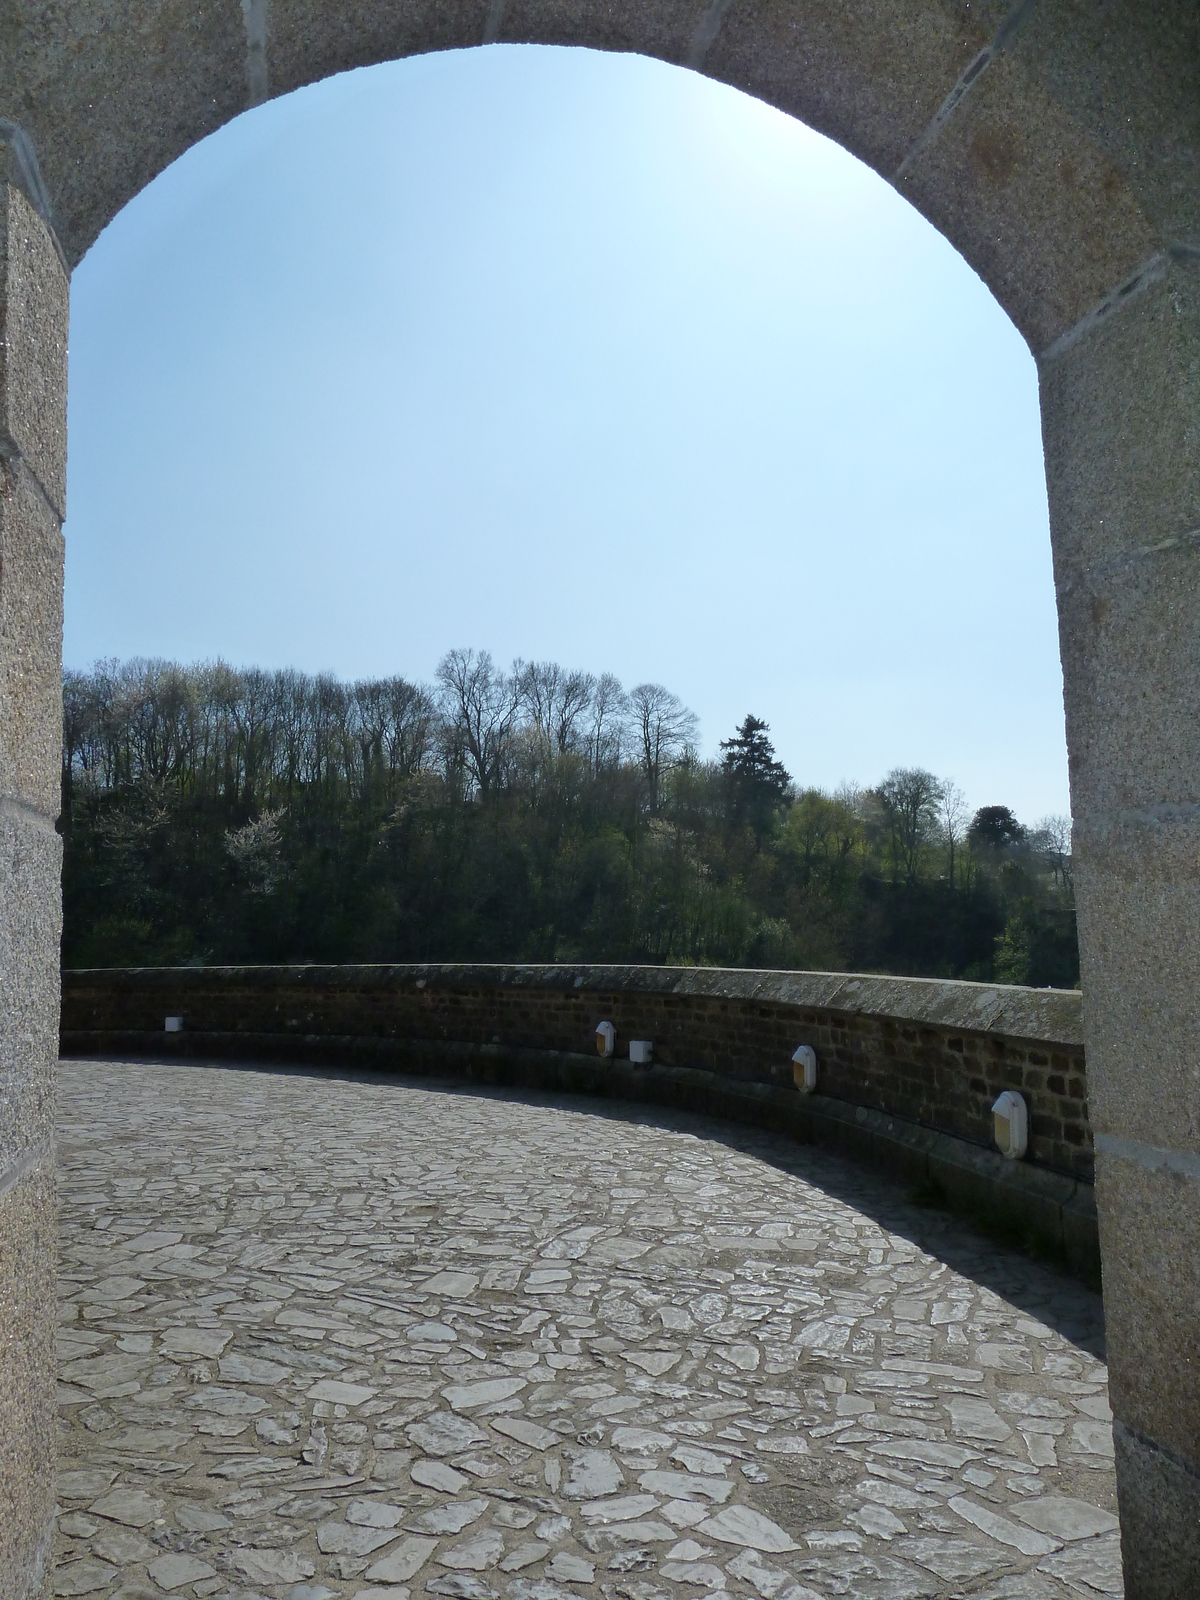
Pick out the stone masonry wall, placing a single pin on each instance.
(33, 393)
(931, 1052)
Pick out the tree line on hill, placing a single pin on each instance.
(216, 815)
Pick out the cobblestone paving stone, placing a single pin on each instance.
(323, 1337)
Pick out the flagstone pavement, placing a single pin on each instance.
(333, 1336)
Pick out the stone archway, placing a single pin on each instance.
(1058, 147)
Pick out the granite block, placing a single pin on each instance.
(30, 867)
(1160, 1520)
(1121, 429)
(27, 1381)
(1149, 1222)
(31, 623)
(1091, 56)
(33, 347)
(1138, 900)
(1032, 203)
(1130, 635)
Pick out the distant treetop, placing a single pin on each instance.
(994, 828)
(750, 756)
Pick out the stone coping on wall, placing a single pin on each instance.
(1052, 1016)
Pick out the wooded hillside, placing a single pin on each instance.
(214, 815)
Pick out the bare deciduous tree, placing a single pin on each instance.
(481, 704)
(664, 729)
(554, 701)
(608, 723)
(953, 816)
(291, 719)
(1053, 838)
(411, 729)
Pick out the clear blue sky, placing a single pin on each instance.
(580, 357)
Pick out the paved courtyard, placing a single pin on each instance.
(323, 1337)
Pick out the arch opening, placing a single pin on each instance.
(616, 346)
(1056, 147)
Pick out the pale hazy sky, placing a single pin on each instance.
(581, 357)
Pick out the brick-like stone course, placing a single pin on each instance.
(932, 1052)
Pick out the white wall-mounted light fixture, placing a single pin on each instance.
(174, 1025)
(641, 1052)
(804, 1069)
(606, 1039)
(1010, 1119)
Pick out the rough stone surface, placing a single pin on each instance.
(1160, 1517)
(134, 96)
(1119, 411)
(662, 28)
(808, 61)
(1111, 98)
(1062, 227)
(27, 1442)
(31, 601)
(484, 1347)
(1090, 57)
(33, 346)
(934, 1053)
(1152, 1284)
(1121, 425)
(361, 32)
(1131, 630)
(1139, 907)
(33, 327)
(30, 857)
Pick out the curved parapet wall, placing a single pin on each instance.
(908, 1068)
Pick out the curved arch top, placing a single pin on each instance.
(1054, 145)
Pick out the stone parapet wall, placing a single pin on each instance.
(934, 1053)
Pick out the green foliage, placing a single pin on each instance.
(1038, 946)
(994, 828)
(538, 815)
(757, 783)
